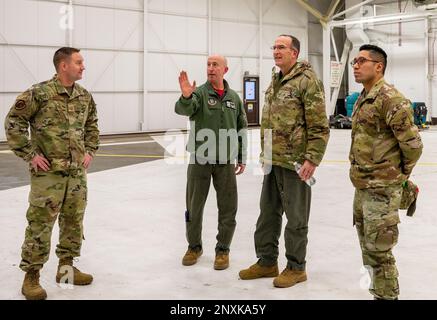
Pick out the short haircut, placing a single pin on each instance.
(295, 43)
(63, 53)
(376, 53)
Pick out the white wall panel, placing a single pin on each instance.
(128, 68)
(164, 70)
(226, 42)
(177, 33)
(99, 72)
(284, 12)
(157, 104)
(2, 21)
(20, 21)
(2, 67)
(266, 70)
(127, 112)
(20, 68)
(250, 65)
(128, 30)
(236, 10)
(185, 7)
(105, 111)
(118, 112)
(107, 28)
(162, 115)
(93, 27)
(25, 66)
(125, 4)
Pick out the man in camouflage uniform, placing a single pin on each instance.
(294, 113)
(217, 115)
(63, 141)
(385, 148)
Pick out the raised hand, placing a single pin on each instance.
(186, 88)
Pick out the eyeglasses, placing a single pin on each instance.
(281, 47)
(360, 61)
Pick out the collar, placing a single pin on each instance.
(374, 90)
(211, 90)
(60, 89)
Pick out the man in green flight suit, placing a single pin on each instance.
(217, 144)
(294, 113)
(64, 138)
(385, 147)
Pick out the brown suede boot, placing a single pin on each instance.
(256, 271)
(221, 261)
(289, 278)
(191, 257)
(31, 288)
(71, 275)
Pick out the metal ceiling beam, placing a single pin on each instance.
(352, 8)
(316, 13)
(332, 8)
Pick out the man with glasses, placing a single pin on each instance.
(294, 113)
(385, 148)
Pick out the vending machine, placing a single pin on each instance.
(251, 99)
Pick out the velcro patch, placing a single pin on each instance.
(212, 101)
(20, 105)
(230, 104)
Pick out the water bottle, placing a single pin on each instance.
(311, 181)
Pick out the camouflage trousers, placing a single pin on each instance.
(53, 194)
(376, 218)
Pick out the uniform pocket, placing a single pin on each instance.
(382, 234)
(38, 201)
(387, 238)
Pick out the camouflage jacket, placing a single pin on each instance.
(210, 113)
(294, 110)
(385, 142)
(62, 127)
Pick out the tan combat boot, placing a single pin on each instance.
(68, 271)
(31, 289)
(191, 256)
(221, 261)
(289, 278)
(257, 271)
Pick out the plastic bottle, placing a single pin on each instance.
(311, 181)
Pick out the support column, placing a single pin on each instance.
(144, 125)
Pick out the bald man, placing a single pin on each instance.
(217, 145)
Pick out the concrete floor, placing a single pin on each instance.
(135, 235)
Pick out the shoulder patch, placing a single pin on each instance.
(20, 105)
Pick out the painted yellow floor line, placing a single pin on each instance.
(130, 156)
(421, 164)
(426, 164)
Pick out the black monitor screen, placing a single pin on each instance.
(249, 89)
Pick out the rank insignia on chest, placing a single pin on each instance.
(230, 104)
(212, 101)
(71, 108)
